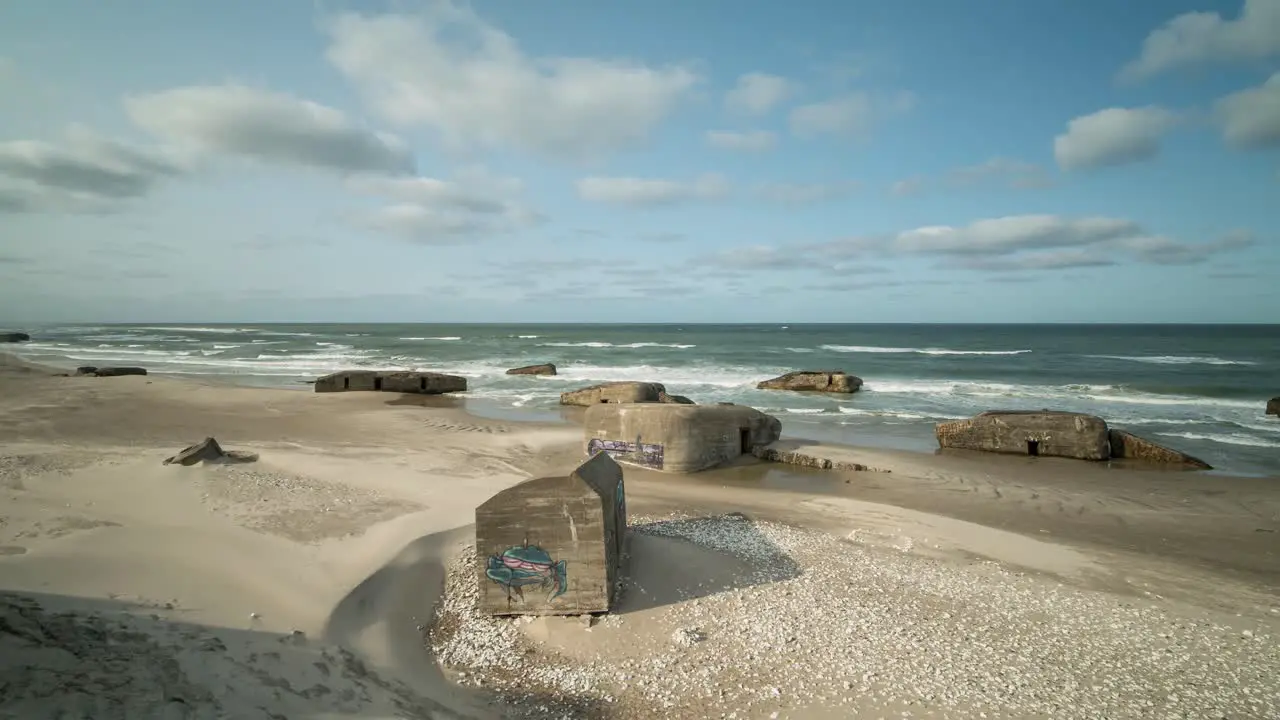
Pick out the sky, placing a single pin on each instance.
(667, 161)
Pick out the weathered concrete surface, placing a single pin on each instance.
(614, 392)
(666, 397)
(1273, 406)
(553, 545)
(1040, 432)
(831, 381)
(208, 450)
(677, 438)
(540, 369)
(110, 371)
(13, 337)
(422, 383)
(820, 457)
(1126, 445)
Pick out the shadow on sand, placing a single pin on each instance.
(672, 561)
(390, 612)
(88, 657)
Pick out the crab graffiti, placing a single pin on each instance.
(637, 453)
(523, 566)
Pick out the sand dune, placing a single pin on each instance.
(330, 578)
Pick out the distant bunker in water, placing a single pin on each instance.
(553, 545)
(421, 383)
(1053, 433)
(677, 438)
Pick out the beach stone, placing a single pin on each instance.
(1126, 445)
(420, 383)
(665, 397)
(14, 337)
(208, 450)
(614, 392)
(831, 381)
(1273, 406)
(541, 369)
(1029, 432)
(118, 371)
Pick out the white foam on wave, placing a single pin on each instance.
(1225, 438)
(960, 389)
(1175, 359)
(917, 351)
(800, 350)
(628, 346)
(527, 337)
(899, 414)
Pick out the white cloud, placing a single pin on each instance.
(1251, 118)
(1204, 38)
(752, 141)
(1052, 260)
(448, 70)
(1013, 243)
(639, 192)
(432, 211)
(1114, 136)
(87, 173)
(852, 114)
(758, 93)
(1014, 233)
(269, 127)
(803, 193)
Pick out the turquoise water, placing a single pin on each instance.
(1201, 389)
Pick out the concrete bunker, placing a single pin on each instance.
(421, 383)
(553, 545)
(1054, 433)
(677, 438)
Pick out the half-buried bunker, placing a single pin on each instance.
(677, 438)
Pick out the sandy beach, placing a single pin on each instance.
(331, 578)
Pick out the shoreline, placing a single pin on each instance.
(493, 410)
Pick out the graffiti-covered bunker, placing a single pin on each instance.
(677, 438)
(553, 545)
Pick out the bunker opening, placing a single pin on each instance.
(744, 439)
(346, 383)
(1033, 447)
(377, 384)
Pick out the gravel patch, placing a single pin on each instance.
(842, 625)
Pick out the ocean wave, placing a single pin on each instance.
(1226, 439)
(800, 350)
(1047, 393)
(1176, 359)
(628, 346)
(917, 351)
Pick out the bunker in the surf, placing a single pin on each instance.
(677, 438)
(420, 383)
(553, 545)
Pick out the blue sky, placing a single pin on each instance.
(752, 161)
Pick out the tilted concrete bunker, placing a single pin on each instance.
(421, 383)
(553, 545)
(677, 438)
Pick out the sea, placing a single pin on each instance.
(1199, 388)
